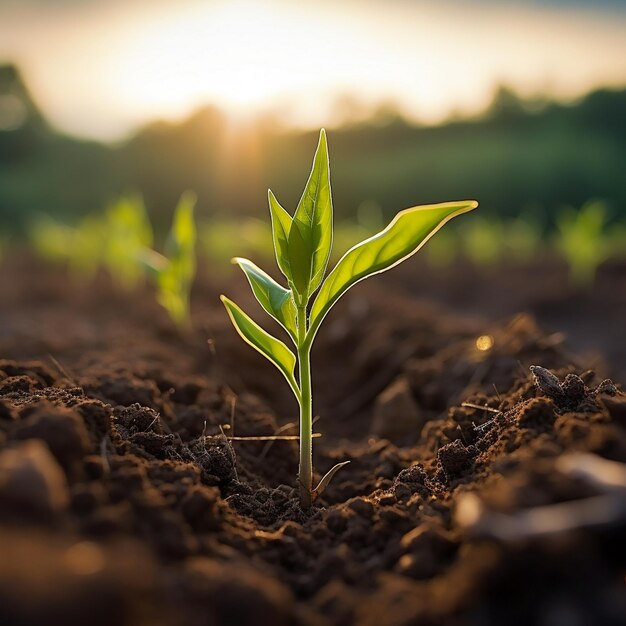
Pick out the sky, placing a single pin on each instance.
(101, 68)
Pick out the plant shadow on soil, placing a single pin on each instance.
(122, 503)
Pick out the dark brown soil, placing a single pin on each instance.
(122, 503)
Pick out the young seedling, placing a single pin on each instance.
(128, 231)
(175, 270)
(583, 242)
(80, 247)
(483, 241)
(302, 245)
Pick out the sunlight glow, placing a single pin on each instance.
(208, 53)
(102, 68)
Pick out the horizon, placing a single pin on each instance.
(217, 53)
(359, 115)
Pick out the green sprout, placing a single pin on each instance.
(80, 247)
(175, 270)
(219, 238)
(582, 241)
(51, 240)
(302, 245)
(483, 240)
(128, 232)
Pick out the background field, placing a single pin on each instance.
(517, 156)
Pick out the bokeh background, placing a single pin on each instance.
(520, 104)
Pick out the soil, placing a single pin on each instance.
(122, 502)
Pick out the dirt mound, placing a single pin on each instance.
(480, 491)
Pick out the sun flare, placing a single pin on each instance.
(102, 68)
(232, 54)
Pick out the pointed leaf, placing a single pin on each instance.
(405, 235)
(182, 236)
(128, 230)
(281, 225)
(175, 278)
(314, 217)
(270, 347)
(300, 255)
(274, 298)
(328, 477)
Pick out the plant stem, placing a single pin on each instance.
(305, 472)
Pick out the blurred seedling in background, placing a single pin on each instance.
(112, 239)
(121, 240)
(582, 240)
(174, 270)
(482, 240)
(80, 247)
(487, 240)
(127, 233)
(222, 238)
(302, 246)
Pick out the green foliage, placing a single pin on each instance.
(311, 232)
(482, 240)
(175, 270)
(274, 298)
(406, 234)
(521, 154)
(225, 238)
(128, 232)
(87, 246)
(80, 247)
(114, 240)
(121, 240)
(271, 348)
(50, 239)
(582, 241)
(302, 246)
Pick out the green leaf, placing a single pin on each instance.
(128, 230)
(176, 271)
(406, 234)
(310, 250)
(182, 237)
(274, 298)
(281, 225)
(270, 347)
(300, 262)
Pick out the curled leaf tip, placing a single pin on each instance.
(328, 477)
